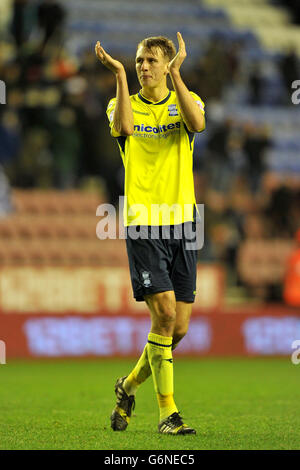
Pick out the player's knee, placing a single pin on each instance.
(166, 316)
(166, 311)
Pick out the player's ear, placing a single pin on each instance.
(167, 67)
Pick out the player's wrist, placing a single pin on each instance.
(174, 72)
(120, 72)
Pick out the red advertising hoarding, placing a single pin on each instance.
(90, 312)
(268, 331)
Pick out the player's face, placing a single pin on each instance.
(151, 67)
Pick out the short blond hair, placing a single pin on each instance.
(166, 45)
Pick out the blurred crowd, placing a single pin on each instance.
(244, 201)
(54, 131)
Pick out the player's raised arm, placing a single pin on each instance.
(190, 111)
(123, 115)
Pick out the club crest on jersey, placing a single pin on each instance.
(172, 110)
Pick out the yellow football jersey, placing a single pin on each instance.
(158, 161)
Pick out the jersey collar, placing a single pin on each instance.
(150, 102)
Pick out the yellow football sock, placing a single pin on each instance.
(139, 374)
(161, 363)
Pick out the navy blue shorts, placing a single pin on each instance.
(158, 264)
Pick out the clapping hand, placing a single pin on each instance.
(114, 65)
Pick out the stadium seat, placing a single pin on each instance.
(3, 255)
(7, 228)
(16, 253)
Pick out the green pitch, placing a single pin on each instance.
(233, 404)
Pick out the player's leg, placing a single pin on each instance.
(163, 315)
(162, 308)
(163, 318)
(148, 261)
(142, 370)
(156, 359)
(183, 315)
(183, 277)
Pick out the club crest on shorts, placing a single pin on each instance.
(146, 278)
(172, 110)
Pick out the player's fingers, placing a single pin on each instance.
(100, 51)
(99, 55)
(97, 47)
(181, 42)
(180, 38)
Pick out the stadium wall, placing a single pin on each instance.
(90, 312)
(268, 331)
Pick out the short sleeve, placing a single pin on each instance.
(199, 101)
(110, 114)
